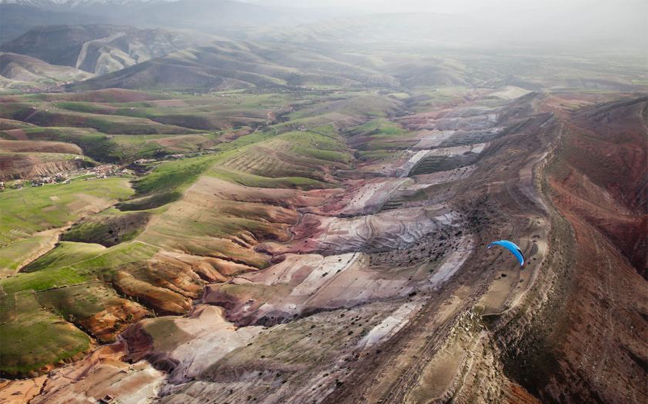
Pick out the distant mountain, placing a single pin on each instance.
(24, 71)
(16, 19)
(100, 49)
(601, 26)
(72, 4)
(222, 17)
(237, 65)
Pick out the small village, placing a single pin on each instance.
(86, 174)
(101, 171)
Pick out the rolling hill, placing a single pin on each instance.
(238, 65)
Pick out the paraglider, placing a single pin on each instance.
(512, 247)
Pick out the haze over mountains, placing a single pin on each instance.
(52, 31)
(584, 25)
(210, 16)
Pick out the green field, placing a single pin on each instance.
(120, 227)
(14, 254)
(74, 263)
(65, 254)
(33, 338)
(30, 210)
(70, 283)
(172, 175)
(258, 181)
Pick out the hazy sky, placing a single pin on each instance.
(376, 5)
(617, 22)
(553, 7)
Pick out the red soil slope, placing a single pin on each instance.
(602, 177)
(598, 183)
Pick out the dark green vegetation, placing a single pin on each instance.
(31, 210)
(168, 177)
(33, 338)
(150, 202)
(108, 229)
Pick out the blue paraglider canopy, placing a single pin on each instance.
(512, 247)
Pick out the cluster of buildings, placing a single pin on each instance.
(36, 182)
(167, 157)
(102, 171)
(106, 170)
(99, 172)
(18, 184)
(42, 180)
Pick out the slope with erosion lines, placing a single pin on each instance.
(615, 137)
(442, 343)
(606, 348)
